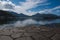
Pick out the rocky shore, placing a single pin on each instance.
(30, 33)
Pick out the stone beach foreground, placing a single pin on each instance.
(30, 33)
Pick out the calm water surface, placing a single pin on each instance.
(25, 22)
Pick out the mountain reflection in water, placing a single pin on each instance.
(25, 22)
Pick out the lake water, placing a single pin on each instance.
(25, 22)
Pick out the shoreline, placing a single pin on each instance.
(30, 33)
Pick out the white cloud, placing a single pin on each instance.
(6, 5)
(28, 4)
(55, 10)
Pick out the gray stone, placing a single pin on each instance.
(5, 38)
(15, 30)
(57, 30)
(47, 33)
(43, 28)
(26, 34)
(39, 37)
(5, 32)
(16, 35)
(24, 38)
(56, 37)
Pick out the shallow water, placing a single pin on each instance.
(25, 22)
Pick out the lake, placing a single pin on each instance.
(26, 22)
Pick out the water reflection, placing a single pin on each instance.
(20, 23)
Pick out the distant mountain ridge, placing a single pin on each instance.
(22, 15)
(45, 16)
(7, 14)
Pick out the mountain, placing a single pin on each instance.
(11, 15)
(50, 16)
(6, 15)
(45, 16)
(36, 15)
(22, 15)
(18, 15)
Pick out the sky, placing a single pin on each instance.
(31, 7)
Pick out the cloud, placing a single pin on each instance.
(55, 10)
(28, 4)
(6, 5)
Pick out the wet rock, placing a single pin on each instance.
(24, 38)
(5, 32)
(26, 34)
(30, 33)
(16, 30)
(47, 33)
(16, 35)
(57, 30)
(43, 28)
(5, 38)
(56, 37)
(32, 29)
(40, 37)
